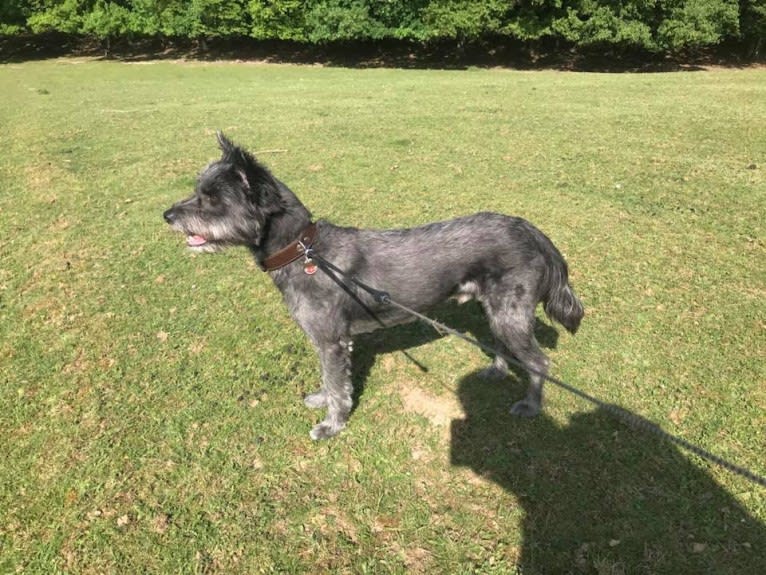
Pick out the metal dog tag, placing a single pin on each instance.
(309, 267)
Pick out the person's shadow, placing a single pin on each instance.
(600, 497)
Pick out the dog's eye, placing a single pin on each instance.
(207, 198)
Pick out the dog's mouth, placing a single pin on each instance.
(195, 241)
(201, 244)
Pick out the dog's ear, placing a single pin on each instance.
(231, 152)
(242, 161)
(234, 154)
(223, 142)
(255, 176)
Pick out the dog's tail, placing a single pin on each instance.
(562, 304)
(560, 301)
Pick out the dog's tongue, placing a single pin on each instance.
(195, 240)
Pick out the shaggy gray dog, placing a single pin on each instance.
(504, 262)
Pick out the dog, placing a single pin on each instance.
(504, 262)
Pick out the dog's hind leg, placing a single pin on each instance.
(336, 392)
(531, 357)
(512, 320)
(499, 367)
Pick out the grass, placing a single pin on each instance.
(151, 415)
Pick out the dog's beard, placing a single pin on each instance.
(204, 237)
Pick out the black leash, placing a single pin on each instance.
(331, 271)
(620, 413)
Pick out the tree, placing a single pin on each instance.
(465, 19)
(13, 16)
(654, 25)
(204, 19)
(623, 23)
(696, 23)
(278, 19)
(59, 16)
(333, 20)
(106, 20)
(752, 25)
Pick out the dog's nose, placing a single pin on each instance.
(169, 216)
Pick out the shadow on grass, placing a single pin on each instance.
(599, 497)
(390, 53)
(468, 318)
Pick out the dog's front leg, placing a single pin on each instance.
(336, 388)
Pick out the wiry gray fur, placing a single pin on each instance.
(504, 262)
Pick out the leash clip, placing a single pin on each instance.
(309, 266)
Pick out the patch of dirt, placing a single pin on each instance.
(440, 410)
(40, 178)
(331, 522)
(417, 559)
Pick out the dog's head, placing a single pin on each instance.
(232, 201)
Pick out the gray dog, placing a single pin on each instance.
(504, 262)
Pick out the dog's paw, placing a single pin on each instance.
(525, 408)
(316, 400)
(325, 430)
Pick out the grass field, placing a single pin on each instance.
(151, 416)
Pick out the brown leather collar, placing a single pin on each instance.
(291, 252)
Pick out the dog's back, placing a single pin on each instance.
(470, 256)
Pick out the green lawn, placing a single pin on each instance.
(151, 417)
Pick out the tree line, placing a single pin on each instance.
(654, 25)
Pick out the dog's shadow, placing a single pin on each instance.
(467, 318)
(601, 497)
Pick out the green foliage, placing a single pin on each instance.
(752, 23)
(589, 22)
(107, 19)
(146, 17)
(329, 20)
(59, 16)
(533, 19)
(205, 18)
(649, 24)
(332, 20)
(693, 23)
(278, 19)
(401, 19)
(13, 16)
(464, 19)
(654, 25)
